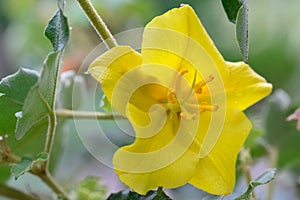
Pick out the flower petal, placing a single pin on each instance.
(216, 172)
(245, 87)
(167, 158)
(178, 35)
(117, 71)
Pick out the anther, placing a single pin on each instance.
(171, 96)
(188, 116)
(198, 86)
(204, 106)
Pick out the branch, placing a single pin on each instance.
(13, 193)
(72, 114)
(98, 23)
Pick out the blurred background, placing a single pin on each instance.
(274, 29)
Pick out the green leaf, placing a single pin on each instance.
(130, 195)
(231, 8)
(14, 89)
(26, 163)
(39, 103)
(90, 189)
(242, 30)
(264, 178)
(57, 31)
(21, 167)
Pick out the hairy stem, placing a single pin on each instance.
(13, 193)
(97, 23)
(48, 179)
(246, 161)
(50, 134)
(273, 152)
(44, 173)
(72, 114)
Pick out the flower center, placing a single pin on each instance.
(186, 107)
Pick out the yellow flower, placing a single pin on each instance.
(184, 102)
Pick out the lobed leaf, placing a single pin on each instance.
(39, 104)
(21, 167)
(26, 163)
(40, 100)
(14, 89)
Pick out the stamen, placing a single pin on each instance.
(199, 85)
(191, 90)
(188, 116)
(171, 96)
(179, 77)
(183, 71)
(204, 106)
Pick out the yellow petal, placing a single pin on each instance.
(245, 87)
(165, 158)
(216, 172)
(178, 37)
(122, 81)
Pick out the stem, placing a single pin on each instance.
(44, 173)
(48, 179)
(13, 193)
(72, 114)
(273, 152)
(50, 134)
(246, 160)
(98, 23)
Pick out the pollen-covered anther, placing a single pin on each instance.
(198, 86)
(172, 96)
(204, 106)
(188, 116)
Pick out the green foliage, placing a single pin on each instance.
(26, 163)
(231, 8)
(21, 167)
(264, 178)
(39, 104)
(13, 90)
(129, 195)
(237, 13)
(57, 31)
(90, 189)
(40, 100)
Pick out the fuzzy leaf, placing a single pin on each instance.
(14, 89)
(57, 31)
(39, 104)
(21, 167)
(40, 100)
(242, 30)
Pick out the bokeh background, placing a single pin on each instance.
(274, 33)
